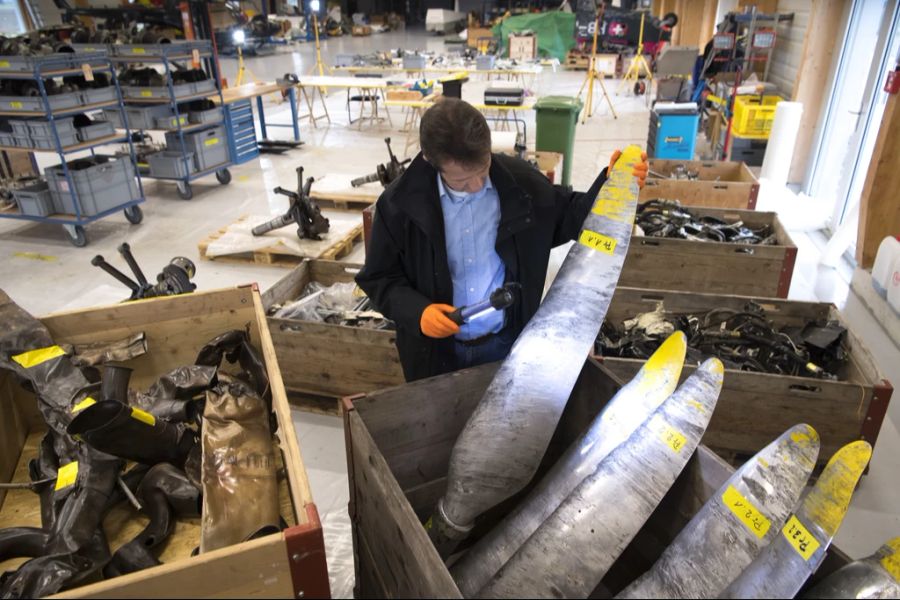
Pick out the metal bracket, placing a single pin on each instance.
(305, 546)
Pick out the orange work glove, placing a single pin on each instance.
(435, 323)
(640, 168)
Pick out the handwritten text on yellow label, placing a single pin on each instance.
(800, 538)
(744, 510)
(598, 241)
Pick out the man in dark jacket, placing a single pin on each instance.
(459, 223)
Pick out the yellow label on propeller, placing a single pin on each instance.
(33, 358)
(800, 538)
(598, 241)
(84, 404)
(746, 513)
(673, 438)
(143, 416)
(67, 475)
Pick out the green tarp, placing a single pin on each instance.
(555, 32)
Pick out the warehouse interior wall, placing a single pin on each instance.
(788, 55)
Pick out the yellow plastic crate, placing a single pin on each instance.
(752, 117)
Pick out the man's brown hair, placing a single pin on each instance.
(454, 130)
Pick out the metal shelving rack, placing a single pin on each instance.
(167, 54)
(61, 65)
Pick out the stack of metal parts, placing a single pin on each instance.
(679, 172)
(746, 340)
(338, 304)
(201, 437)
(669, 219)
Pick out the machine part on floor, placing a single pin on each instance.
(100, 353)
(387, 172)
(302, 211)
(669, 219)
(733, 527)
(746, 340)
(784, 565)
(571, 551)
(235, 346)
(47, 575)
(175, 278)
(114, 385)
(500, 299)
(278, 146)
(876, 576)
(240, 486)
(165, 494)
(172, 396)
(133, 434)
(503, 441)
(625, 412)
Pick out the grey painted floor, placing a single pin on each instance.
(44, 273)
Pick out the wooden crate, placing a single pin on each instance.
(754, 408)
(710, 267)
(720, 184)
(325, 359)
(287, 564)
(398, 450)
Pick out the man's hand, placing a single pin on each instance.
(435, 323)
(640, 168)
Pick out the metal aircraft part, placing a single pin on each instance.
(627, 410)
(571, 551)
(733, 527)
(528, 393)
(877, 576)
(785, 564)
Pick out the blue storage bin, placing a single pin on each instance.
(672, 136)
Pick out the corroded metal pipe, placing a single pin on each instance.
(877, 576)
(784, 565)
(503, 441)
(571, 551)
(733, 527)
(627, 410)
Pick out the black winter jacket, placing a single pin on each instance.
(406, 265)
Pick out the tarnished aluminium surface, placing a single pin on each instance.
(627, 410)
(503, 441)
(735, 524)
(877, 576)
(783, 566)
(571, 551)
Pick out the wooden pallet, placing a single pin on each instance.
(348, 203)
(280, 257)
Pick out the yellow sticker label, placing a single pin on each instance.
(800, 538)
(84, 404)
(15, 105)
(744, 510)
(211, 142)
(33, 358)
(143, 416)
(146, 93)
(66, 475)
(891, 561)
(4, 64)
(598, 241)
(138, 51)
(673, 438)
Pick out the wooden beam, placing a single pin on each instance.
(879, 210)
(696, 22)
(820, 45)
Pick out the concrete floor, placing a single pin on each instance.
(44, 273)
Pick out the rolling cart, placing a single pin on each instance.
(80, 191)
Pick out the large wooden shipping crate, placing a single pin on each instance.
(712, 267)
(325, 359)
(754, 408)
(287, 564)
(719, 184)
(398, 451)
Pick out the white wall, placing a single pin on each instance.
(785, 64)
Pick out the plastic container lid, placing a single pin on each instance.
(567, 103)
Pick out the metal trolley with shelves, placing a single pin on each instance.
(170, 56)
(56, 107)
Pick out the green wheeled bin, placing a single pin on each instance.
(556, 120)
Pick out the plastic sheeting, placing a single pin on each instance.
(555, 32)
